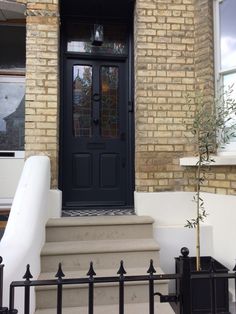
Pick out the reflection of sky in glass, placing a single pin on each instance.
(230, 82)
(228, 33)
(117, 47)
(11, 95)
(78, 71)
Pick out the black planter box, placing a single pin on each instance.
(198, 298)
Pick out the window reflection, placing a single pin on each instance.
(80, 39)
(227, 33)
(109, 102)
(227, 9)
(229, 81)
(82, 88)
(12, 113)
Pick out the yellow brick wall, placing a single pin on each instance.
(42, 82)
(173, 49)
(164, 73)
(174, 56)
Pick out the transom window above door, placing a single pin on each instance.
(80, 39)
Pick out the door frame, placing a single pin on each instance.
(64, 56)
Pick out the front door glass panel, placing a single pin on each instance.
(82, 105)
(109, 109)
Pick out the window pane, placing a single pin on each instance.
(12, 114)
(82, 90)
(12, 47)
(228, 33)
(109, 102)
(229, 82)
(80, 39)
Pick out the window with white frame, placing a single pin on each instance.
(12, 87)
(225, 51)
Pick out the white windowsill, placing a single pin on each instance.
(18, 154)
(228, 160)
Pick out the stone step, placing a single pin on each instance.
(104, 293)
(98, 228)
(137, 292)
(138, 308)
(105, 241)
(76, 255)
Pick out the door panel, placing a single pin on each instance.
(109, 171)
(82, 171)
(95, 124)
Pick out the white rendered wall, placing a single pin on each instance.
(10, 172)
(24, 236)
(170, 211)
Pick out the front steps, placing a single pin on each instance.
(105, 240)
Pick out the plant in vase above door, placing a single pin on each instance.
(213, 124)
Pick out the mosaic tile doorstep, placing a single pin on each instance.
(97, 212)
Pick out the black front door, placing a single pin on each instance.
(95, 150)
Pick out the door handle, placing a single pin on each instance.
(96, 121)
(96, 97)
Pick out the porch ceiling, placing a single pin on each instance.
(97, 8)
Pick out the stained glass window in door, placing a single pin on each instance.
(109, 102)
(82, 89)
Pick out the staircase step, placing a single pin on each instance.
(76, 255)
(98, 228)
(104, 293)
(104, 240)
(137, 292)
(140, 308)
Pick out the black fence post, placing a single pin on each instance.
(121, 272)
(91, 273)
(213, 288)
(11, 300)
(184, 283)
(151, 271)
(3, 310)
(27, 276)
(59, 275)
(1, 281)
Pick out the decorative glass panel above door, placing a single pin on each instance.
(109, 101)
(82, 89)
(79, 39)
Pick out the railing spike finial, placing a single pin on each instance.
(91, 271)
(151, 270)
(27, 276)
(121, 270)
(59, 273)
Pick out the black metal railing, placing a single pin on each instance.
(91, 281)
(185, 279)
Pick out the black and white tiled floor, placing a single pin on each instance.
(97, 212)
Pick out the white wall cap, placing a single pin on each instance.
(220, 160)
